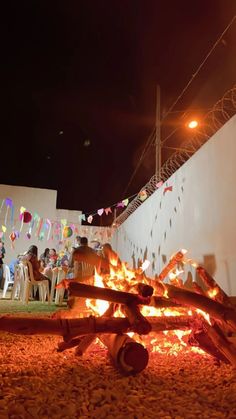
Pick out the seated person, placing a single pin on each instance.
(32, 256)
(51, 262)
(44, 258)
(84, 253)
(12, 265)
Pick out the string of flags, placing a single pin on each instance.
(142, 195)
(48, 229)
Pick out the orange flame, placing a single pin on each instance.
(122, 278)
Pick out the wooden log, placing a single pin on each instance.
(213, 308)
(129, 356)
(138, 322)
(218, 293)
(211, 338)
(177, 258)
(184, 297)
(88, 291)
(86, 341)
(226, 347)
(72, 328)
(203, 341)
(197, 288)
(176, 295)
(144, 289)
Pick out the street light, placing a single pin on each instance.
(193, 124)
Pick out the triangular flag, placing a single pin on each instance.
(100, 211)
(8, 202)
(90, 219)
(142, 195)
(168, 188)
(159, 184)
(4, 229)
(108, 210)
(125, 202)
(82, 217)
(120, 204)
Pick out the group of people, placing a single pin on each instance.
(100, 256)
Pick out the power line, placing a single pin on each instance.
(200, 67)
(148, 144)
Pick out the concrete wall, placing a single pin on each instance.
(42, 202)
(199, 214)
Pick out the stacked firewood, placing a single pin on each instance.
(209, 316)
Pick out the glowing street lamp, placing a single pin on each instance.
(193, 124)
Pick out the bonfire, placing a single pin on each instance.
(132, 314)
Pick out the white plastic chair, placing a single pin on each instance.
(54, 282)
(18, 286)
(43, 285)
(83, 270)
(60, 291)
(8, 281)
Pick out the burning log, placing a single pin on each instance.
(213, 308)
(85, 341)
(137, 321)
(184, 297)
(144, 289)
(88, 291)
(197, 288)
(72, 328)
(217, 293)
(176, 295)
(129, 356)
(213, 340)
(177, 258)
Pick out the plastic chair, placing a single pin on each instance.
(8, 280)
(60, 292)
(83, 270)
(43, 285)
(54, 281)
(18, 286)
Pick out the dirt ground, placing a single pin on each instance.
(36, 381)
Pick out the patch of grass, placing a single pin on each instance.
(14, 306)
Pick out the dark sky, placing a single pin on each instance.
(90, 68)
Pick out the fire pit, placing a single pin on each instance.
(133, 315)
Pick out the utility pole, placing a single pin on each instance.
(158, 131)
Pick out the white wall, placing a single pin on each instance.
(42, 202)
(199, 214)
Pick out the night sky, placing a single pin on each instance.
(78, 88)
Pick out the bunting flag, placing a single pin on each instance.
(168, 188)
(49, 228)
(159, 184)
(125, 202)
(108, 210)
(39, 227)
(2, 205)
(142, 195)
(5, 221)
(90, 219)
(12, 215)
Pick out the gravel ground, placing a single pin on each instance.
(38, 382)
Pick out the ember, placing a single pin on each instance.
(159, 315)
